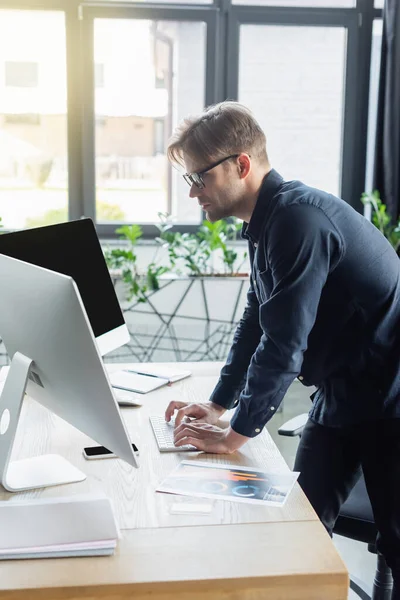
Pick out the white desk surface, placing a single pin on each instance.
(265, 552)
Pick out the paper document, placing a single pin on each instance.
(163, 372)
(145, 379)
(229, 482)
(67, 526)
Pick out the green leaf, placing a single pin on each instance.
(190, 253)
(381, 219)
(130, 232)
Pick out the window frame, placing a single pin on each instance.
(207, 14)
(348, 18)
(223, 21)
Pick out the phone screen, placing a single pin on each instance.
(101, 450)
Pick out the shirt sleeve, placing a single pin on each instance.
(302, 248)
(246, 339)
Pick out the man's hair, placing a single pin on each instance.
(222, 129)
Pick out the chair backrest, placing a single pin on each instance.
(356, 519)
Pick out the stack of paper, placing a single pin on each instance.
(57, 527)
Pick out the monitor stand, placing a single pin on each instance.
(29, 473)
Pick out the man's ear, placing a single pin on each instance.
(244, 165)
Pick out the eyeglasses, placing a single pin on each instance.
(197, 178)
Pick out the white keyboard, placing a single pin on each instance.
(164, 434)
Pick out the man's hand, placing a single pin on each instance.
(208, 438)
(206, 412)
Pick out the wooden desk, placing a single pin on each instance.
(239, 552)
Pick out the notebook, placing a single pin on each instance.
(57, 527)
(147, 378)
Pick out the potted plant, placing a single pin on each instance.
(123, 262)
(190, 254)
(185, 304)
(198, 252)
(381, 219)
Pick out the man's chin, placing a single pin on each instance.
(213, 216)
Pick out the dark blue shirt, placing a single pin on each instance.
(323, 306)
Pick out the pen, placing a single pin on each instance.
(146, 374)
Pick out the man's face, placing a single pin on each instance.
(223, 188)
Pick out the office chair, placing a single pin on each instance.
(355, 521)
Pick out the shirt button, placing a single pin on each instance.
(257, 430)
(255, 244)
(272, 408)
(300, 378)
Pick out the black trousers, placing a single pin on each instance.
(330, 461)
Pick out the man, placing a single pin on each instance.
(323, 306)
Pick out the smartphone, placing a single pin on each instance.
(94, 452)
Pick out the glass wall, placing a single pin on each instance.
(293, 62)
(299, 100)
(148, 76)
(303, 3)
(373, 100)
(33, 119)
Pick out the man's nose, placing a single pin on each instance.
(195, 191)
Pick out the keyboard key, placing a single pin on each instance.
(164, 434)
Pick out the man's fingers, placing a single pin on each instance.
(189, 410)
(196, 442)
(192, 426)
(184, 433)
(201, 431)
(203, 445)
(171, 408)
(181, 439)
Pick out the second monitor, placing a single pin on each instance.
(56, 360)
(74, 249)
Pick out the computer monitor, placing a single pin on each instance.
(74, 249)
(54, 355)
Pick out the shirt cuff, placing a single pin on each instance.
(225, 397)
(243, 424)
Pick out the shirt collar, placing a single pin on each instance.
(269, 187)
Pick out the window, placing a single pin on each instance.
(165, 61)
(23, 119)
(99, 75)
(21, 74)
(373, 100)
(33, 122)
(162, 59)
(165, 1)
(293, 80)
(159, 136)
(150, 65)
(302, 3)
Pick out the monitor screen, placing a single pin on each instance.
(74, 249)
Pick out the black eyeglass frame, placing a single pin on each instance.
(197, 178)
